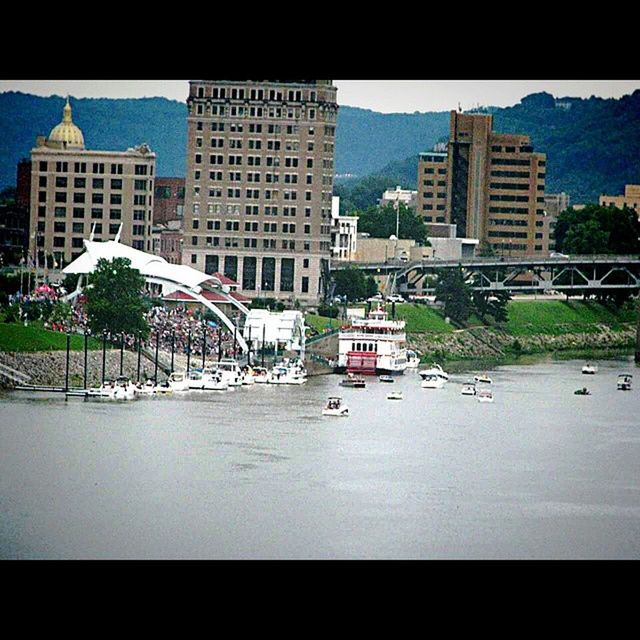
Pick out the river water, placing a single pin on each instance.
(259, 473)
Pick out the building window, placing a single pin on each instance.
(268, 274)
(287, 266)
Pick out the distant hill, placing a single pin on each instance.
(592, 145)
(107, 124)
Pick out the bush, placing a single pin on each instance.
(328, 311)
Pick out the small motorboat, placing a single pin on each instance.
(435, 370)
(394, 395)
(589, 369)
(484, 396)
(386, 378)
(582, 392)
(432, 381)
(146, 389)
(357, 382)
(260, 375)
(468, 389)
(413, 359)
(624, 382)
(178, 381)
(335, 407)
(482, 378)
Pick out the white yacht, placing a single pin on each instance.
(195, 379)
(589, 369)
(288, 372)
(248, 378)
(373, 345)
(413, 359)
(334, 407)
(483, 377)
(146, 389)
(260, 375)
(231, 373)
(213, 380)
(178, 381)
(435, 370)
(119, 389)
(394, 395)
(432, 381)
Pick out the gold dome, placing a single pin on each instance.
(66, 134)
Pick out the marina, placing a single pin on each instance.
(258, 472)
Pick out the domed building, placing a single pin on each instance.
(66, 135)
(77, 193)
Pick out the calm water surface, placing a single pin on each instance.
(259, 473)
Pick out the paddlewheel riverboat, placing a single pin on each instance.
(373, 345)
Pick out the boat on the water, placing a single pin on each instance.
(386, 378)
(119, 389)
(413, 359)
(373, 345)
(214, 380)
(230, 372)
(483, 377)
(357, 382)
(195, 379)
(582, 392)
(260, 375)
(288, 371)
(335, 407)
(394, 395)
(435, 370)
(431, 381)
(468, 389)
(624, 382)
(484, 396)
(148, 388)
(589, 369)
(178, 381)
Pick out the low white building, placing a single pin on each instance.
(344, 232)
(285, 328)
(404, 196)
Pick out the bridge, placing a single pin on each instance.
(587, 273)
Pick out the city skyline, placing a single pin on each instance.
(384, 96)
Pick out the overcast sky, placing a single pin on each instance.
(387, 96)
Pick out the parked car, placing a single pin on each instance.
(556, 254)
(395, 298)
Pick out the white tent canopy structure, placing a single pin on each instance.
(156, 270)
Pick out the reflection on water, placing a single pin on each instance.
(259, 472)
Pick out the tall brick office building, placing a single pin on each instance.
(490, 185)
(260, 166)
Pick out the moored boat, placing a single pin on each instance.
(582, 392)
(484, 396)
(385, 378)
(394, 395)
(483, 377)
(178, 381)
(589, 369)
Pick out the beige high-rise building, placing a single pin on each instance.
(630, 199)
(260, 167)
(74, 190)
(494, 185)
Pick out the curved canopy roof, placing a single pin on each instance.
(146, 263)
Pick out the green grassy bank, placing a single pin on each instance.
(33, 337)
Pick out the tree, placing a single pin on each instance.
(597, 229)
(380, 222)
(351, 282)
(491, 303)
(454, 292)
(114, 298)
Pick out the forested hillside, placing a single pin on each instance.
(593, 146)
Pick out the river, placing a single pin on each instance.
(259, 473)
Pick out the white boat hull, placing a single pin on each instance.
(338, 413)
(438, 383)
